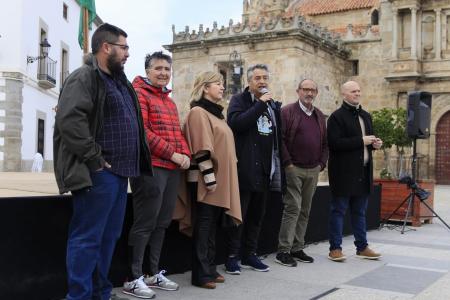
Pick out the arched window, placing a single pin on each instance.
(374, 17)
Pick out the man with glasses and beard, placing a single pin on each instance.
(99, 142)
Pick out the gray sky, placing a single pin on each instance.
(148, 23)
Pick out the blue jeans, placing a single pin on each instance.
(338, 207)
(96, 225)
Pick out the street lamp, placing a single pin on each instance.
(45, 47)
(235, 63)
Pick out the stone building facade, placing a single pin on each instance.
(391, 47)
(11, 98)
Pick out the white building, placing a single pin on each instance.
(29, 87)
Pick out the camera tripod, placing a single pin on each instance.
(416, 191)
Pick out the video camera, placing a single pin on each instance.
(418, 191)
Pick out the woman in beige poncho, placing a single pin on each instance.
(216, 188)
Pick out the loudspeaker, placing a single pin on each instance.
(419, 115)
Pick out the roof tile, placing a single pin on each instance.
(319, 7)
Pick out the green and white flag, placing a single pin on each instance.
(90, 6)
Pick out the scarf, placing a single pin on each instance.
(210, 107)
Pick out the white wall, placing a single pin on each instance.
(35, 101)
(11, 54)
(20, 34)
(20, 27)
(59, 29)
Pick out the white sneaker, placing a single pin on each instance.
(159, 281)
(138, 288)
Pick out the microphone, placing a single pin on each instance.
(265, 91)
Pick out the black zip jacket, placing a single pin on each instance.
(253, 166)
(346, 171)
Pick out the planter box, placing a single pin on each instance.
(393, 193)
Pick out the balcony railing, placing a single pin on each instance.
(47, 73)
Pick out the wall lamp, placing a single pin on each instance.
(235, 64)
(45, 47)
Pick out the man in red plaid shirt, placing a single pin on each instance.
(154, 197)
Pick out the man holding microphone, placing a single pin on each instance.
(255, 121)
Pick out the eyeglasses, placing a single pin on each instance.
(123, 47)
(313, 91)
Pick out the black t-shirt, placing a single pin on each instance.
(265, 130)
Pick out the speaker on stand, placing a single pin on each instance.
(419, 115)
(418, 127)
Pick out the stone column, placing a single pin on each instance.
(413, 33)
(11, 134)
(419, 34)
(394, 33)
(446, 24)
(438, 37)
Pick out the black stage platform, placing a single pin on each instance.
(33, 233)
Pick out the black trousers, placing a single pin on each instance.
(153, 204)
(253, 207)
(204, 243)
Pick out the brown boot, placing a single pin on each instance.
(368, 253)
(336, 255)
(209, 285)
(219, 279)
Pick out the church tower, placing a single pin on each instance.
(254, 9)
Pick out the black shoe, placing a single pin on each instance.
(285, 259)
(302, 256)
(232, 266)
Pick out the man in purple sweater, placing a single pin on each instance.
(305, 154)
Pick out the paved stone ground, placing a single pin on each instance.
(13, 184)
(415, 265)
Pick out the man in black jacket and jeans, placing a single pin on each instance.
(255, 120)
(350, 141)
(99, 142)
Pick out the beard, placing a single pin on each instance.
(114, 64)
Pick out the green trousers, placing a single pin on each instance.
(301, 185)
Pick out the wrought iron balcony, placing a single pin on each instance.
(47, 73)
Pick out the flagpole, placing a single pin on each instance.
(85, 30)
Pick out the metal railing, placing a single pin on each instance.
(47, 70)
